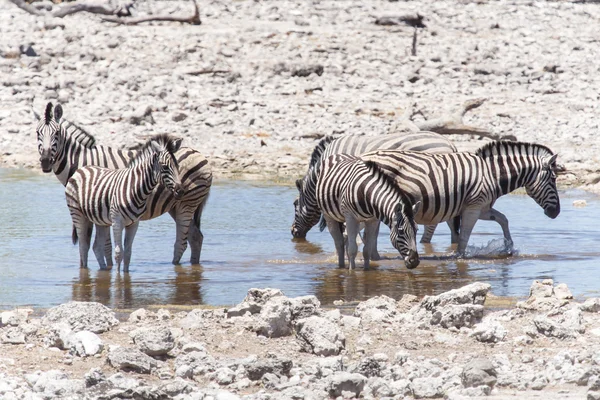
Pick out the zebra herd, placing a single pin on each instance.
(431, 183)
(398, 179)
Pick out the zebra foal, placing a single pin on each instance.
(64, 147)
(353, 191)
(468, 184)
(105, 197)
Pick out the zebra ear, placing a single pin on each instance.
(416, 207)
(175, 144)
(299, 184)
(48, 112)
(551, 163)
(156, 148)
(58, 113)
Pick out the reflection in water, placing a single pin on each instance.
(303, 246)
(186, 287)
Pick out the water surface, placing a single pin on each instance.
(248, 244)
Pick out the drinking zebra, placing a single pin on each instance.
(468, 184)
(105, 197)
(307, 213)
(64, 147)
(353, 191)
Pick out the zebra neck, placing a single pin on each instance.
(384, 205)
(511, 175)
(145, 178)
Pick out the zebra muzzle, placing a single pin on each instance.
(46, 163)
(552, 212)
(412, 260)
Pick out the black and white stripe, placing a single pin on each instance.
(352, 191)
(468, 184)
(307, 213)
(64, 147)
(105, 197)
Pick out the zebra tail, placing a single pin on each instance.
(322, 223)
(74, 235)
(198, 212)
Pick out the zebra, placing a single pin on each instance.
(105, 197)
(306, 212)
(468, 184)
(64, 147)
(353, 191)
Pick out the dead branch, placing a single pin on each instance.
(414, 44)
(91, 7)
(26, 7)
(207, 71)
(193, 20)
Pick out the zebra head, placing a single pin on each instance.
(542, 188)
(48, 135)
(165, 147)
(404, 232)
(306, 211)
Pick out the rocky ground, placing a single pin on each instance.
(274, 347)
(286, 72)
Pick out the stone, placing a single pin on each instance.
(542, 289)
(427, 388)
(15, 317)
(573, 320)
(593, 395)
(138, 315)
(457, 316)
(579, 203)
(477, 372)
(590, 305)
(28, 51)
(154, 340)
(320, 336)
(376, 309)
(369, 367)
(82, 316)
(489, 332)
(93, 377)
(194, 363)
(253, 302)
(84, 343)
(275, 318)
(279, 367)
(475, 293)
(131, 360)
(346, 382)
(12, 335)
(550, 328)
(56, 383)
(178, 116)
(224, 376)
(139, 115)
(562, 291)
(304, 307)
(304, 71)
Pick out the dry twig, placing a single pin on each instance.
(193, 19)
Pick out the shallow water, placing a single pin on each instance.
(248, 244)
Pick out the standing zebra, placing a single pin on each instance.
(307, 213)
(468, 184)
(105, 197)
(64, 147)
(353, 191)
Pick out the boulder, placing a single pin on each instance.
(84, 343)
(154, 340)
(457, 315)
(82, 316)
(562, 292)
(15, 317)
(188, 365)
(12, 335)
(479, 372)
(304, 307)
(427, 388)
(253, 302)
(320, 336)
(279, 367)
(474, 293)
(489, 332)
(131, 360)
(346, 382)
(544, 288)
(275, 318)
(591, 305)
(377, 309)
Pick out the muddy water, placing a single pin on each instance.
(248, 244)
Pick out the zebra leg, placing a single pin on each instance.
(454, 225)
(352, 228)
(468, 219)
(370, 236)
(182, 226)
(428, 233)
(374, 254)
(118, 236)
(84, 233)
(336, 229)
(195, 236)
(495, 215)
(108, 250)
(99, 244)
(130, 232)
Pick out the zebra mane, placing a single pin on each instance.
(501, 147)
(164, 140)
(80, 135)
(315, 157)
(375, 169)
